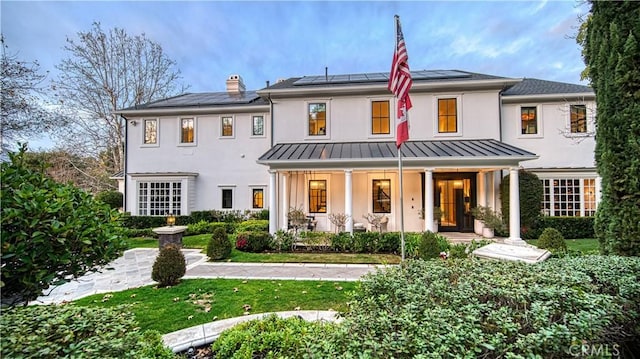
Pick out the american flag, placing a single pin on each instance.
(400, 84)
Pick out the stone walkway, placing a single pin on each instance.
(133, 270)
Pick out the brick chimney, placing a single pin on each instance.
(235, 85)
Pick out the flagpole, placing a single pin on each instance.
(401, 201)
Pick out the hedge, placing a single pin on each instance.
(569, 227)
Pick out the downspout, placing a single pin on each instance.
(126, 156)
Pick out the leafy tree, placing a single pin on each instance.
(107, 71)
(612, 54)
(23, 113)
(50, 232)
(531, 191)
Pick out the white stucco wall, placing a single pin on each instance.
(219, 162)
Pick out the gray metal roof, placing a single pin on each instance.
(467, 152)
(377, 77)
(544, 87)
(204, 99)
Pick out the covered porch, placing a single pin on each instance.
(442, 181)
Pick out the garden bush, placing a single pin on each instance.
(169, 266)
(253, 225)
(552, 240)
(431, 244)
(50, 232)
(219, 246)
(272, 337)
(281, 241)
(112, 198)
(341, 242)
(390, 242)
(201, 227)
(67, 331)
(253, 241)
(145, 232)
(366, 242)
(479, 308)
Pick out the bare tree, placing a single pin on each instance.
(107, 71)
(23, 104)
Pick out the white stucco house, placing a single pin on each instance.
(326, 144)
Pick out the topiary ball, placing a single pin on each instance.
(552, 240)
(169, 266)
(219, 246)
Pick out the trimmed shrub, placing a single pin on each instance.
(67, 331)
(219, 246)
(262, 215)
(146, 232)
(272, 337)
(282, 241)
(341, 242)
(253, 225)
(390, 242)
(253, 241)
(366, 242)
(112, 198)
(169, 266)
(431, 244)
(492, 309)
(552, 240)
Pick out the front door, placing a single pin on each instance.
(454, 195)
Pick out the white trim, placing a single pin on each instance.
(436, 119)
(264, 126)
(539, 122)
(144, 132)
(233, 127)
(327, 132)
(392, 106)
(195, 131)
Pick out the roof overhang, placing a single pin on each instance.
(381, 87)
(579, 96)
(416, 155)
(162, 174)
(192, 110)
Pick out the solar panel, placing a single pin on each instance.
(208, 98)
(378, 77)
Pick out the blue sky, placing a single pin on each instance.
(270, 40)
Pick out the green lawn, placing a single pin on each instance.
(584, 245)
(200, 242)
(170, 309)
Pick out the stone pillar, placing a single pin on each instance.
(428, 200)
(273, 203)
(348, 200)
(514, 209)
(285, 202)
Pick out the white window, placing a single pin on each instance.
(257, 126)
(258, 198)
(159, 198)
(569, 197)
(448, 115)
(227, 198)
(150, 132)
(317, 119)
(226, 129)
(187, 131)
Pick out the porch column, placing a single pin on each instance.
(348, 200)
(482, 191)
(273, 203)
(285, 202)
(428, 200)
(514, 209)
